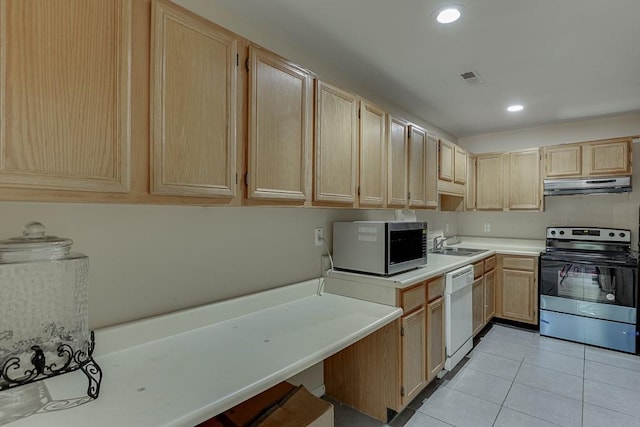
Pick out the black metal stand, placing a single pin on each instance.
(72, 362)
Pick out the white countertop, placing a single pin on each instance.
(184, 378)
(438, 264)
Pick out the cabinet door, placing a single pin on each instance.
(373, 159)
(489, 182)
(65, 94)
(563, 161)
(489, 296)
(414, 353)
(335, 145)
(447, 159)
(194, 76)
(478, 305)
(398, 141)
(417, 167)
(518, 297)
(460, 166)
(431, 172)
(607, 158)
(524, 180)
(280, 123)
(470, 188)
(435, 338)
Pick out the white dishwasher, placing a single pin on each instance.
(458, 315)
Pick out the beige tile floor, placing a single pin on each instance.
(515, 377)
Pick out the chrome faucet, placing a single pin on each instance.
(438, 241)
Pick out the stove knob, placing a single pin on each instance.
(612, 234)
(553, 232)
(561, 232)
(621, 234)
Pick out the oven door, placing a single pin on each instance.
(589, 288)
(592, 281)
(592, 302)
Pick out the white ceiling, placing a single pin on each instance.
(562, 59)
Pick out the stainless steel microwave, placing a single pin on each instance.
(379, 247)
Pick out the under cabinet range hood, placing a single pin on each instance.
(566, 186)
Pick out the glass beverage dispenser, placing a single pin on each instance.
(44, 321)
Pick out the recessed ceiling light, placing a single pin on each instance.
(448, 14)
(515, 108)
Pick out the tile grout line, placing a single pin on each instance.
(616, 411)
(508, 391)
(532, 347)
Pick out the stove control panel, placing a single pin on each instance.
(589, 233)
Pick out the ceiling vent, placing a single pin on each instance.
(471, 78)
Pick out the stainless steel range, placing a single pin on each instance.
(589, 287)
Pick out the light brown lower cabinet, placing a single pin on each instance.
(380, 374)
(483, 294)
(489, 295)
(413, 337)
(435, 338)
(517, 288)
(478, 304)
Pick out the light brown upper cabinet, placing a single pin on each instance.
(489, 181)
(423, 162)
(398, 158)
(194, 77)
(452, 169)
(460, 166)
(470, 195)
(431, 173)
(336, 145)
(373, 155)
(563, 161)
(447, 161)
(608, 157)
(417, 167)
(280, 129)
(523, 180)
(65, 95)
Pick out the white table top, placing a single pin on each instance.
(184, 379)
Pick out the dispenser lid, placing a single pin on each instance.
(34, 245)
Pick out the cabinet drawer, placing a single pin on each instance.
(478, 269)
(413, 298)
(514, 263)
(489, 264)
(436, 288)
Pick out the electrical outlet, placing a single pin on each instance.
(319, 236)
(487, 227)
(446, 227)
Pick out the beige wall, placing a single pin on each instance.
(602, 210)
(147, 260)
(578, 131)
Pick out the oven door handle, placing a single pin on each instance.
(591, 263)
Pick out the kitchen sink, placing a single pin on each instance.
(454, 250)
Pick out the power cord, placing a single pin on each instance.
(321, 279)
